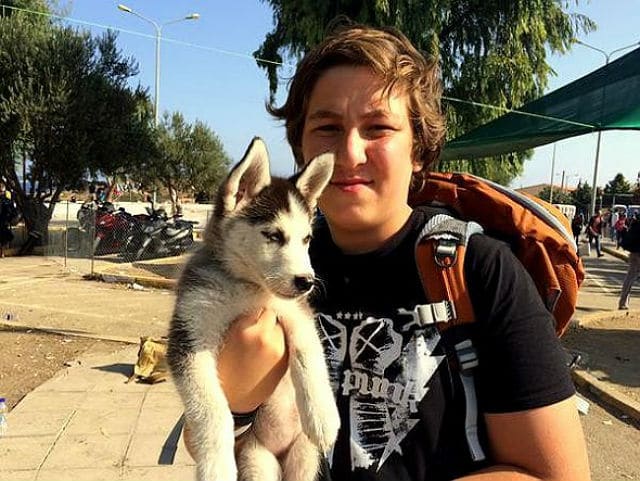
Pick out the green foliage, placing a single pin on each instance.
(10, 8)
(618, 185)
(636, 193)
(559, 197)
(65, 107)
(490, 52)
(189, 158)
(582, 196)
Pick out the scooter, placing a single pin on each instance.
(162, 238)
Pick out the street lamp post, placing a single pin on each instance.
(607, 57)
(553, 167)
(158, 28)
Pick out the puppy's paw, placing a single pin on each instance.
(220, 470)
(321, 424)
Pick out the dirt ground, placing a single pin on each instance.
(29, 357)
(610, 349)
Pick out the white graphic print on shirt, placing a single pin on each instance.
(388, 377)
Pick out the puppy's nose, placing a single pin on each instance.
(303, 283)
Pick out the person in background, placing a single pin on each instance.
(612, 226)
(594, 231)
(630, 242)
(7, 213)
(577, 223)
(620, 228)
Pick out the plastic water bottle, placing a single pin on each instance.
(3, 417)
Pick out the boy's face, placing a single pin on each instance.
(372, 138)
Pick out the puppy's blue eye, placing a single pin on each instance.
(274, 236)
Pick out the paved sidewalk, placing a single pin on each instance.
(88, 424)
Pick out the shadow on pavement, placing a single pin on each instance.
(168, 271)
(119, 368)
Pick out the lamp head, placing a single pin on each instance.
(124, 8)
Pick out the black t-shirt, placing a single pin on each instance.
(399, 395)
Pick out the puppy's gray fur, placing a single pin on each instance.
(254, 256)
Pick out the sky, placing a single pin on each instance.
(207, 73)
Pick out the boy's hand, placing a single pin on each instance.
(252, 360)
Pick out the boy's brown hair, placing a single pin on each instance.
(390, 54)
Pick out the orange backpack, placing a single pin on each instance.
(539, 235)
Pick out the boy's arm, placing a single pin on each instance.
(539, 444)
(252, 361)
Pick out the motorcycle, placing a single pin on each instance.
(111, 229)
(157, 236)
(162, 238)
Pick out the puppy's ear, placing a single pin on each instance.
(314, 177)
(247, 178)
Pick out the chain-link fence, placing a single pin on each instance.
(129, 238)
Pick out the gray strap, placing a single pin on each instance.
(428, 314)
(442, 226)
(468, 359)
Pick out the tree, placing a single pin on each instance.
(636, 194)
(559, 196)
(490, 52)
(65, 111)
(618, 185)
(582, 197)
(189, 158)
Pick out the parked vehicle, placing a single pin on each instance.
(569, 210)
(619, 208)
(111, 228)
(160, 237)
(633, 210)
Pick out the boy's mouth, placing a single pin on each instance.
(352, 181)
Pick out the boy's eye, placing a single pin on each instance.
(274, 236)
(380, 128)
(327, 128)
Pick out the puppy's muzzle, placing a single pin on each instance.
(303, 284)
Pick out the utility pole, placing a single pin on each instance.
(553, 167)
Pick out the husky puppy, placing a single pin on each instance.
(255, 255)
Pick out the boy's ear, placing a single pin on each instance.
(248, 177)
(314, 177)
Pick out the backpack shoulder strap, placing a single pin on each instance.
(440, 253)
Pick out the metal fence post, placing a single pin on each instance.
(92, 232)
(66, 235)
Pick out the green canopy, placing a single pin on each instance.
(608, 98)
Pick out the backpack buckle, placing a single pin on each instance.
(466, 355)
(446, 252)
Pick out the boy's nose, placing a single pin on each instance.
(352, 150)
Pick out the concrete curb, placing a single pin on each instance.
(586, 319)
(603, 391)
(607, 394)
(64, 332)
(155, 282)
(620, 254)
